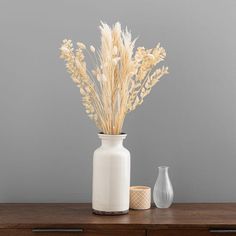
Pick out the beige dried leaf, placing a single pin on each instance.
(121, 79)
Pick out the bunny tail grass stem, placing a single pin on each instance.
(120, 80)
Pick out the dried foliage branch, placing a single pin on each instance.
(120, 80)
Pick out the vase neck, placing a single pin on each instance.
(112, 143)
(112, 140)
(163, 170)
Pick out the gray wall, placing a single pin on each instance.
(188, 121)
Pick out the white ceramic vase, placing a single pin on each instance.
(111, 176)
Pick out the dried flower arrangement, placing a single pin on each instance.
(119, 84)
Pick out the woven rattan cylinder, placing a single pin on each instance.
(140, 197)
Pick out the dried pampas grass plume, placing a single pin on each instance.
(120, 80)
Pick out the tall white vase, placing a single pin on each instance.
(111, 176)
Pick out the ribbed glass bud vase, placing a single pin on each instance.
(163, 191)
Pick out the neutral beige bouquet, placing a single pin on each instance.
(120, 80)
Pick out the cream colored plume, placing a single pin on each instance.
(120, 80)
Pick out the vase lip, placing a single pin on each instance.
(163, 167)
(112, 136)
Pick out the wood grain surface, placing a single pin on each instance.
(13, 216)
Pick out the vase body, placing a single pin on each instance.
(163, 191)
(111, 176)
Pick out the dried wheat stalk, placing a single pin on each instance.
(119, 81)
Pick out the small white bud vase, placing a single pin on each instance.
(111, 176)
(163, 191)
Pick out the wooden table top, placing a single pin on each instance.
(79, 215)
